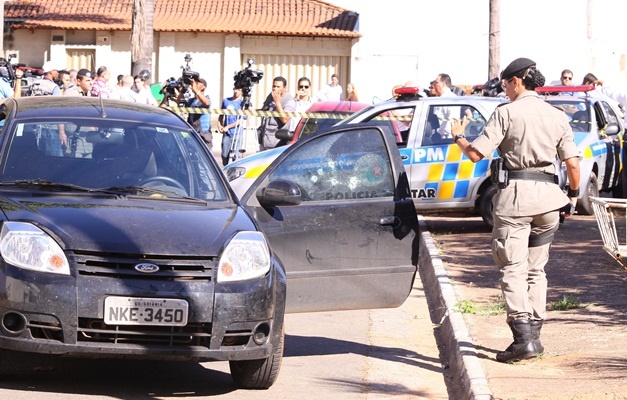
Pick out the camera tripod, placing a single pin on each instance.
(238, 141)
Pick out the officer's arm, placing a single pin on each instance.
(572, 170)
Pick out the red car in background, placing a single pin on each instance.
(336, 110)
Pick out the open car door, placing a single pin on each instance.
(337, 210)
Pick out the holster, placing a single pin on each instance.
(499, 174)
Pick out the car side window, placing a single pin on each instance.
(612, 118)
(398, 121)
(438, 123)
(351, 164)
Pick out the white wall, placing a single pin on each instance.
(451, 36)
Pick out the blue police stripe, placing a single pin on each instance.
(461, 189)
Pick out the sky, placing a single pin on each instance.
(415, 40)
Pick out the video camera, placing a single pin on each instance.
(7, 70)
(182, 83)
(492, 88)
(245, 80)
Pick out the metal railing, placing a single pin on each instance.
(607, 212)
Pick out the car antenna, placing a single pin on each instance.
(103, 114)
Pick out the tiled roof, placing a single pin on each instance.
(253, 17)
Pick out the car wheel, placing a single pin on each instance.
(258, 374)
(485, 205)
(584, 205)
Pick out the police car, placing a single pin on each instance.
(597, 123)
(442, 178)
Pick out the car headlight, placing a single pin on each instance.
(26, 246)
(233, 173)
(246, 257)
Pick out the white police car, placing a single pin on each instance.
(442, 179)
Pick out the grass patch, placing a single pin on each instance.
(491, 308)
(565, 303)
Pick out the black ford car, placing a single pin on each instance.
(120, 237)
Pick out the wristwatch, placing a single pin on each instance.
(459, 136)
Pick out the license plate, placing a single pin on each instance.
(145, 311)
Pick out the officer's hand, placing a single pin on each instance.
(568, 209)
(458, 126)
(19, 73)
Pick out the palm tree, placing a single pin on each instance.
(142, 33)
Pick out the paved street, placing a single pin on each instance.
(348, 355)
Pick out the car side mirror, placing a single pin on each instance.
(284, 134)
(279, 193)
(612, 129)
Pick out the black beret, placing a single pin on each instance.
(518, 65)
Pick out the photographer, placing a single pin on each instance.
(200, 122)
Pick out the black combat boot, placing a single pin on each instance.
(523, 347)
(536, 326)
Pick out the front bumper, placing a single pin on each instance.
(64, 315)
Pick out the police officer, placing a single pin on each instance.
(527, 132)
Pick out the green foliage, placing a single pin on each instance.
(494, 307)
(565, 303)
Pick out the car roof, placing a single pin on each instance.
(337, 106)
(90, 107)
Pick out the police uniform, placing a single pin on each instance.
(528, 133)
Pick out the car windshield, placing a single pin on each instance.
(130, 158)
(312, 125)
(577, 111)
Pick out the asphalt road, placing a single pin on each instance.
(369, 354)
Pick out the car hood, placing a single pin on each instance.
(130, 226)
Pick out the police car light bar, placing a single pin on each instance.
(406, 90)
(563, 88)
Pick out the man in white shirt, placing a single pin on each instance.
(442, 88)
(333, 91)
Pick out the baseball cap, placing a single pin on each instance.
(51, 66)
(201, 80)
(84, 73)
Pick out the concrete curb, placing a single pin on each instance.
(441, 297)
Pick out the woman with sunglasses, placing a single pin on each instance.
(528, 133)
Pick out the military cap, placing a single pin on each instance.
(516, 66)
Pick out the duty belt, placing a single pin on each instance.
(532, 176)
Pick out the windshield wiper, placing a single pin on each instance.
(47, 184)
(150, 191)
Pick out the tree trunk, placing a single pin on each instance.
(142, 34)
(494, 52)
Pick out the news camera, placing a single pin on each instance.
(7, 69)
(181, 84)
(492, 88)
(245, 80)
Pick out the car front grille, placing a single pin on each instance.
(122, 267)
(192, 334)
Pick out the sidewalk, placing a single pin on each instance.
(586, 348)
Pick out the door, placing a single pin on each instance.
(349, 238)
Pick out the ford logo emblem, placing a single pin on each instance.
(146, 268)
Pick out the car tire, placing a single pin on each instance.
(584, 204)
(258, 374)
(485, 205)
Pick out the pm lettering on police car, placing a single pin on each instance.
(145, 311)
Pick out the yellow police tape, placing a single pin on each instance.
(262, 113)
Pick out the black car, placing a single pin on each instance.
(120, 236)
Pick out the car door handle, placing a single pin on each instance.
(390, 221)
(404, 157)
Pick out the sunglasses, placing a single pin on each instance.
(303, 86)
(503, 83)
(567, 78)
